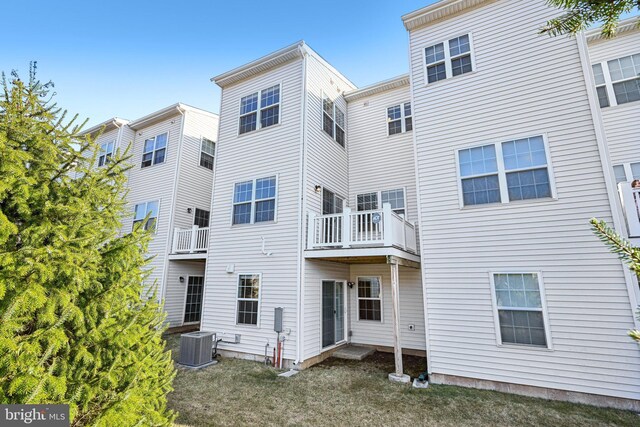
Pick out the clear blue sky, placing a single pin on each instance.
(130, 58)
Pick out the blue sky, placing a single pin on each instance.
(130, 58)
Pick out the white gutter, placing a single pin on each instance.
(302, 214)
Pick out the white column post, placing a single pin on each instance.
(346, 227)
(630, 208)
(311, 229)
(398, 375)
(387, 227)
(175, 240)
(194, 237)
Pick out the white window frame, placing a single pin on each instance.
(403, 117)
(379, 196)
(104, 147)
(153, 152)
(380, 298)
(502, 172)
(213, 156)
(335, 196)
(628, 171)
(254, 201)
(447, 59)
(259, 300)
(613, 101)
(259, 109)
(333, 118)
(146, 203)
(543, 309)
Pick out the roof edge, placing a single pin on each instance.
(624, 26)
(107, 125)
(259, 65)
(376, 88)
(171, 110)
(436, 11)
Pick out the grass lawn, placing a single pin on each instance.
(349, 393)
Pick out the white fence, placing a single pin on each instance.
(380, 227)
(190, 240)
(630, 198)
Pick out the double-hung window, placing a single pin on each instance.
(369, 299)
(519, 302)
(627, 172)
(618, 80)
(512, 170)
(399, 118)
(254, 201)
(248, 300)
(106, 151)
(448, 59)
(375, 200)
(155, 150)
(141, 211)
(207, 153)
(265, 104)
(333, 120)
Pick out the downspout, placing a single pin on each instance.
(420, 218)
(605, 161)
(302, 213)
(172, 207)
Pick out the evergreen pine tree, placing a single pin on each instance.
(581, 14)
(628, 253)
(74, 327)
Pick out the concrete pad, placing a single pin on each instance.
(289, 373)
(403, 379)
(213, 362)
(353, 352)
(420, 384)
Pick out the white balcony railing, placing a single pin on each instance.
(630, 198)
(190, 240)
(380, 227)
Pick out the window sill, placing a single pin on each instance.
(253, 132)
(442, 82)
(202, 167)
(524, 347)
(250, 224)
(621, 106)
(398, 134)
(508, 204)
(153, 165)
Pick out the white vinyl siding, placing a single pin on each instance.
(266, 104)
(450, 58)
(584, 283)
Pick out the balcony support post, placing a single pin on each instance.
(346, 227)
(387, 227)
(194, 237)
(398, 375)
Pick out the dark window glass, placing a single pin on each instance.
(461, 65)
(436, 73)
(482, 190)
(201, 218)
(248, 123)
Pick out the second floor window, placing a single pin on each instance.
(618, 80)
(512, 170)
(375, 200)
(207, 153)
(333, 120)
(142, 210)
(331, 202)
(106, 151)
(260, 109)
(254, 201)
(627, 172)
(201, 218)
(155, 150)
(399, 118)
(448, 59)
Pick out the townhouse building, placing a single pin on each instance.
(169, 187)
(442, 213)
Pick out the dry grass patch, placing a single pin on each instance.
(347, 393)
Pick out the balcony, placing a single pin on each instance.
(192, 241)
(630, 199)
(375, 233)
